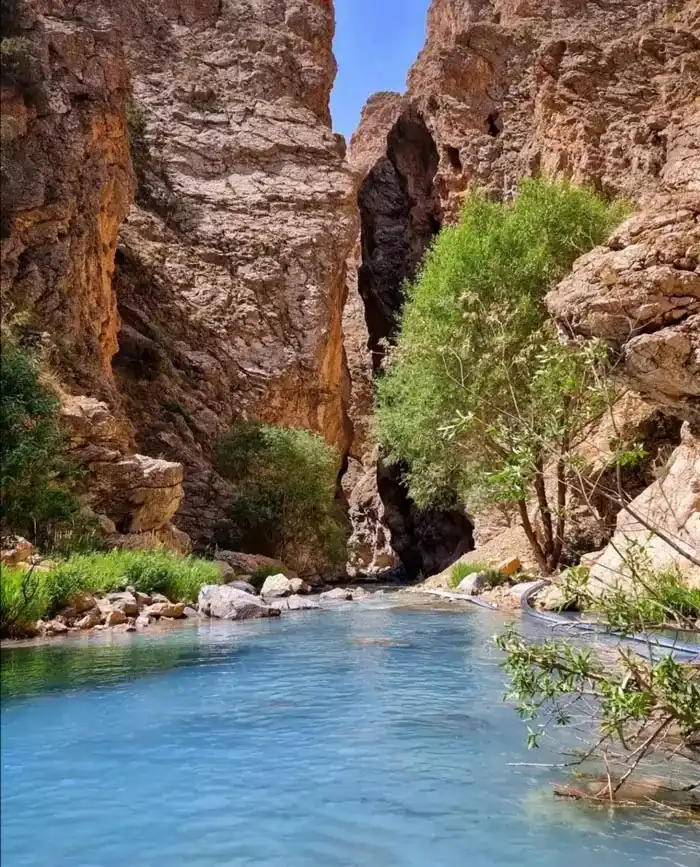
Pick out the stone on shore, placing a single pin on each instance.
(18, 550)
(227, 603)
(170, 610)
(473, 584)
(91, 619)
(81, 602)
(276, 586)
(115, 618)
(239, 584)
(294, 603)
(337, 594)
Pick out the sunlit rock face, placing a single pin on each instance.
(604, 95)
(218, 293)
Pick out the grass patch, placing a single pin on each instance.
(28, 595)
(461, 570)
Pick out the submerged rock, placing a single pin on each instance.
(337, 594)
(228, 603)
(294, 603)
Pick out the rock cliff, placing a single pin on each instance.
(176, 218)
(606, 94)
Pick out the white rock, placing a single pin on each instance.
(227, 603)
(276, 586)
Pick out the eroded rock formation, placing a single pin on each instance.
(400, 213)
(604, 94)
(218, 293)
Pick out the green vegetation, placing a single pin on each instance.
(480, 395)
(650, 598)
(139, 146)
(640, 702)
(284, 505)
(26, 595)
(35, 479)
(461, 570)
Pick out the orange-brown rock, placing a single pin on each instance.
(603, 94)
(230, 274)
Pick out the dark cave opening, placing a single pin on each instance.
(453, 157)
(494, 124)
(400, 214)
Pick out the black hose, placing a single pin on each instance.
(679, 649)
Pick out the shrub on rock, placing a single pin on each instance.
(284, 503)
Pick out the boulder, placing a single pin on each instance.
(299, 586)
(228, 603)
(54, 627)
(158, 597)
(671, 505)
(142, 598)
(128, 606)
(244, 586)
(171, 610)
(15, 550)
(294, 603)
(91, 619)
(359, 593)
(337, 594)
(143, 621)
(82, 602)
(115, 618)
(301, 603)
(276, 586)
(473, 584)
(190, 612)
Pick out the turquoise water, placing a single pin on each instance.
(292, 743)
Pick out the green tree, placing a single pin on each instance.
(284, 503)
(479, 395)
(34, 477)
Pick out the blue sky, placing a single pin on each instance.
(376, 42)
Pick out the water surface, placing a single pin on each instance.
(364, 737)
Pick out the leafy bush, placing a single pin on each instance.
(284, 505)
(479, 394)
(642, 702)
(461, 570)
(34, 477)
(650, 598)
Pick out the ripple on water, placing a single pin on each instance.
(357, 738)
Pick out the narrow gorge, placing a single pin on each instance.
(189, 244)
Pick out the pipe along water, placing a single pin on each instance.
(681, 651)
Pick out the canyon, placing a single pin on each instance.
(189, 244)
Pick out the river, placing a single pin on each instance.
(361, 737)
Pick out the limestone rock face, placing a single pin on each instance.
(229, 286)
(671, 504)
(139, 494)
(231, 267)
(67, 184)
(603, 94)
(641, 294)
